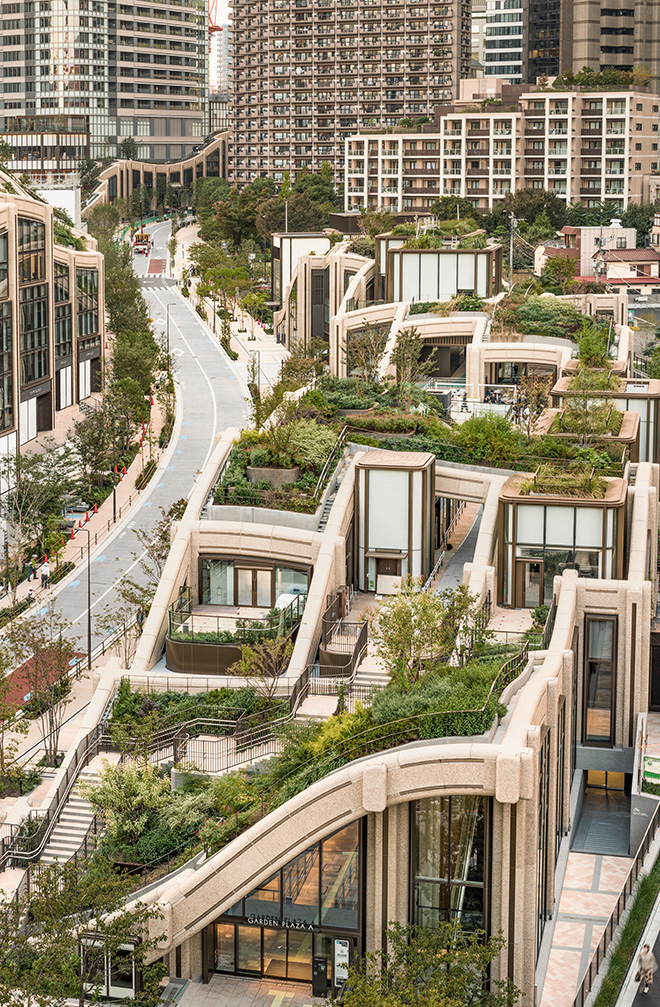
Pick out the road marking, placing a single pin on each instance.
(176, 352)
(183, 437)
(147, 503)
(99, 559)
(160, 486)
(74, 583)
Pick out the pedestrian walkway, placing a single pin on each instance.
(592, 885)
(632, 992)
(231, 991)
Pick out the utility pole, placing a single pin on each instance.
(514, 224)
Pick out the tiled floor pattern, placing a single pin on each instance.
(227, 991)
(592, 884)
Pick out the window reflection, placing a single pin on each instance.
(449, 861)
(339, 886)
(599, 681)
(265, 901)
(301, 887)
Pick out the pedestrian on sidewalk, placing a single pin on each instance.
(646, 966)
(32, 569)
(45, 574)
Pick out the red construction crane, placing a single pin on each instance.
(213, 17)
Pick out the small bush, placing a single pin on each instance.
(145, 475)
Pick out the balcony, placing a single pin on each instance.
(591, 171)
(556, 171)
(530, 152)
(535, 172)
(478, 132)
(540, 131)
(615, 132)
(588, 191)
(591, 131)
(483, 172)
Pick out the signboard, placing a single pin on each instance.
(342, 958)
(274, 921)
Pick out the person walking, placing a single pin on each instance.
(32, 569)
(45, 574)
(464, 403)
(646, 966)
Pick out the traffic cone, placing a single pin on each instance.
(115, 470)
(124, 471)
(80, 524)
(96, 508)
(73, 534)
(87, 517)
(45, 557)
(151, 399)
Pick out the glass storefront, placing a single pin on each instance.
(450, 843)
(228, 582)
(301, 912)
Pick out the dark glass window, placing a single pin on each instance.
(449, 861)
(6, 375)
(61, 288)
(34, 333)
(543, 909)
(599, 681)
(87, 281)
(63, 330)
(31, 250)
(561, 755)
(4, 265)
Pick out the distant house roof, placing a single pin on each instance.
(560, 252)
(631, 255)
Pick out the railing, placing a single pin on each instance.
(438, 563)
(598, 955)
(549, 625)
(331, 460)
(232, 630)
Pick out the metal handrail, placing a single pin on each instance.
(600, 952)
(339, 444)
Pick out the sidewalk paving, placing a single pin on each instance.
(233, 991)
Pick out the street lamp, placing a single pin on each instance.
(89, 602)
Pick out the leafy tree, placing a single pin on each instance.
(6, 151)
(559, 273)
(126, 307)
(364, 353)
(128, 148)
(43, 962)
(489, 438)
(263, 663)
(588, 407)
(452, 207)
(135, 355)
(443, 966)
(36, 486)
(320, 188)
(407, 359)
(39, 641)
(90, 443)
(10, 726)
(126, 407)
(103, 220)
(532, 398)
(130, 796)
(301, 212)
(374, 222)
(528, 204)
(640, 215)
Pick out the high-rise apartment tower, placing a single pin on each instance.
(309, 73)
(80, 76)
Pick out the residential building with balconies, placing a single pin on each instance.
(594, 146)
(310, 74)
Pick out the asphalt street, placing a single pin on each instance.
(210, 398)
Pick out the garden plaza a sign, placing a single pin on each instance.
(285, 924)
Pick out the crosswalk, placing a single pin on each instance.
(157, 282)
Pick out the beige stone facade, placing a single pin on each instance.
(589, 146)
(52, 311)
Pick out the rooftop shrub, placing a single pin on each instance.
(581, 482)
(548, 316)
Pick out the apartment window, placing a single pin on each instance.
(621, 242)
(450, 861)
(638, 146)
(638, 165)
(4, 265)
(61, 287)
(63, 330)
(638, 106)
(87, 281)
(31, 250)
(6, 369)
(638, 127)
(34, 333)
(599, 680)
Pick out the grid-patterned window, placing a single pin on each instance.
(599, 693)
(450, 861)
(34, 333)
(63, 331)
(87, 281)
(6, 371)
(62, 288)
(4, 265)
(31, 250)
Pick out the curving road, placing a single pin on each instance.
(211, 397)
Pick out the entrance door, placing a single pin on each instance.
(529, 587)
(654, 685)
(248, 958)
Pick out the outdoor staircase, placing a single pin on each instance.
(370, 673)
(327, 506)
(72, 825)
